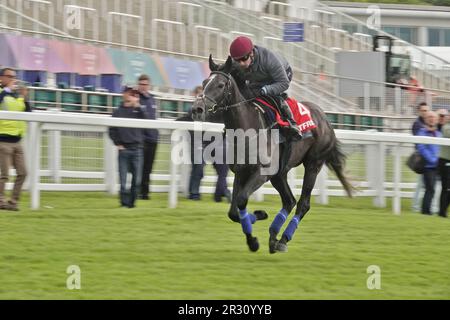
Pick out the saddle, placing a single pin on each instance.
(271, 113)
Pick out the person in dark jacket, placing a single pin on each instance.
(430, 152)
(418, 124)
(150, 135)
(442, 114)
(260, 72)
(129, 142)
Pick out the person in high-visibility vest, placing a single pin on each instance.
(11, 133)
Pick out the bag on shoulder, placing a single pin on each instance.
(416, 162)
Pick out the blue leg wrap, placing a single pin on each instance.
(246, 221)
(279, 220)
(289, 232)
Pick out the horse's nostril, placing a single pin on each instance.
(199, 110)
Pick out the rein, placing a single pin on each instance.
(218, 105)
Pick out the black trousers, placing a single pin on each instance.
(149, 158)
(429, 177)
(444, 172)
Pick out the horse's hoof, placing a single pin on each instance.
(272, 241)
(260, 215)
(273, 246)
(253, 244)
(281, 247)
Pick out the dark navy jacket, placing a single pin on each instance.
(150, 135)
(128, 137)
(429, 151)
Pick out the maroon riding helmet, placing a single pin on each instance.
(240, 47)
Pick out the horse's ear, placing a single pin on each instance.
(228, 65)
(212, 66)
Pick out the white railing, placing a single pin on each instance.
(374, 145)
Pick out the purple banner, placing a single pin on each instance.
(183, 74)
(7, 58)
(30, 53)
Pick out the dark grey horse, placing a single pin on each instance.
(221, 95)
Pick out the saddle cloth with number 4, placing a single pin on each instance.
(301, 114)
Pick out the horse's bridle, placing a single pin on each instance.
(218, 105)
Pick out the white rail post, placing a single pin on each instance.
(110, 164)
(54, 154)
(35, 154)
(173, 183)
(370, 156)
(397, 198)
(380, 199)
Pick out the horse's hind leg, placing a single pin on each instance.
(312, 169)
(247, 219)
(281, 185)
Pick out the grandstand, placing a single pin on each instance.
(83, 62)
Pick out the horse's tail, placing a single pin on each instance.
(336, 161)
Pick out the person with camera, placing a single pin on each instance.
(11, 134)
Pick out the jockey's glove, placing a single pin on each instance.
(263, 91)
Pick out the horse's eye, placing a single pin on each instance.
(221, 85)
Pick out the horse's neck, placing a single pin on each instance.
(244, 115)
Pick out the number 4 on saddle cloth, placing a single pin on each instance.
(301, 114)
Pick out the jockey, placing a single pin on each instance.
(263, 73)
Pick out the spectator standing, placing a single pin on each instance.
(11, 133)
(419, 123)
(430, 153)
(150, 135)
(197, 169)
(129, 142)
(442, 113)
(444, 171)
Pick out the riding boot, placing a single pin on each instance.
(287, 114)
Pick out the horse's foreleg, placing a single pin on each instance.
(303, 205)
(233, 213)
(247, 219)
(281, 185)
